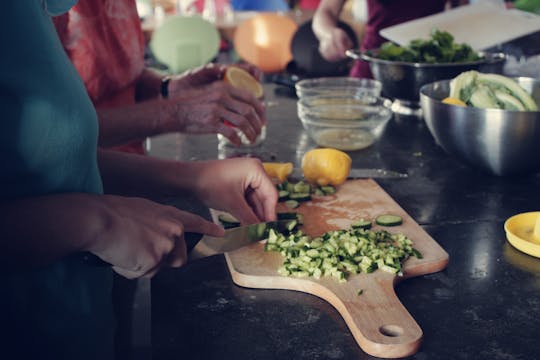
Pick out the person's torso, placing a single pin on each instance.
(48, 145)
(385, 13)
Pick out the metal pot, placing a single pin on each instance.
(403, 80)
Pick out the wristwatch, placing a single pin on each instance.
(165, 87)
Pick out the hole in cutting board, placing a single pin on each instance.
(391, 330)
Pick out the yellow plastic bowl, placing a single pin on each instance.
(519, 232)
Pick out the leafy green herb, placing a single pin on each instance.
(440, 48)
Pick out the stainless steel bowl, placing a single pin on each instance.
(403, 80)
(500, 142)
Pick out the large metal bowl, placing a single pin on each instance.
(403, 80)
(500, 142)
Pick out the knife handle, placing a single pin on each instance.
(93, 260)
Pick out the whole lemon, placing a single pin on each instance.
(326, 166)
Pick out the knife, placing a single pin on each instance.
(208, 245)
(235, 238)
(357, 173)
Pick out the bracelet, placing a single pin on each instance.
(164, 89)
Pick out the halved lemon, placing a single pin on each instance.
(278, 170)
(241, 79)
(453, 101)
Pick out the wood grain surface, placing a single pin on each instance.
(378, 321)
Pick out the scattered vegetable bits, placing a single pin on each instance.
(341, 253)
(301, 191)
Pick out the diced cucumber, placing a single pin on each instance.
(341, 253)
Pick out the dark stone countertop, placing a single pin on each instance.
(484, 305)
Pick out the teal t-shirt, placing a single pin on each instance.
(48, 144)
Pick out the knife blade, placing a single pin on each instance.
(235, 238)
(357, 173)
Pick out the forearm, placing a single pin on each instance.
(149, 177)
(120, 125)
(38, 230)
(326, 17)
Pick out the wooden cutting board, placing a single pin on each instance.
(378, 321)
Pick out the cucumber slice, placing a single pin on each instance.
(300, 196)
(283, 195)
(361, 224)
(228, 221)
(328, 189)
(287, 216)
(302, 187)
(292, 204)
(389, 220)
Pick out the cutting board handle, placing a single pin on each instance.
(379, 322)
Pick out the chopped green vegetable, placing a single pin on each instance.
(491, 91)
(440, 48)
(341, 253)
(360, 292)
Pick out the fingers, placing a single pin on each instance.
(191, 223)
(230, 133)
(197, 224)
(333, 47)
(263, 199)
(178, 256)
(244, 112)
(259, 194)
(245, 214)
(243, 119)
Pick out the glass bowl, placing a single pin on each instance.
(343, 86)
(344, 122)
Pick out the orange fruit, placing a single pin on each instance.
(453, 101)
(241, 79)
(278, 170)
(326, 166)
